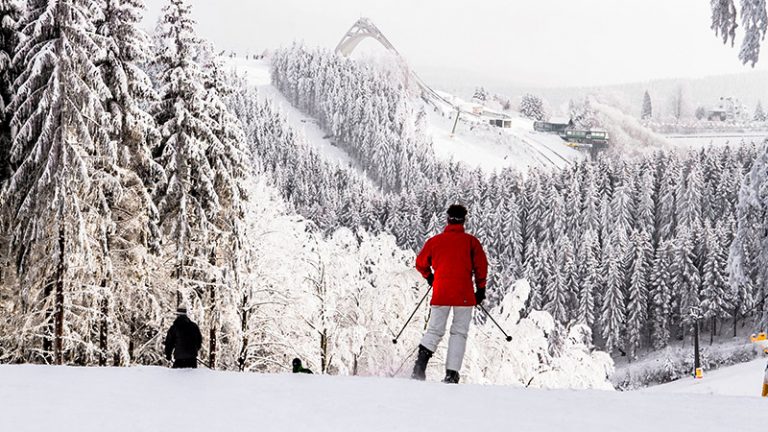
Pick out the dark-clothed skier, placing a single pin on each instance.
(298, 368)
(448, 261)
(183, 341)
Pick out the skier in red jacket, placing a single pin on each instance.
(448, 261)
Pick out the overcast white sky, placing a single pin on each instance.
(540, 42)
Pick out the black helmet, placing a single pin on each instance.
(457, 214)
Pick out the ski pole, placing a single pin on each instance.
(394, 341)
(509, 338)
(203, 363)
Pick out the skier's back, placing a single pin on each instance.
(183, 341)
(449, 261)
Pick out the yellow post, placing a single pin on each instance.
(765, 383)
(699, 373)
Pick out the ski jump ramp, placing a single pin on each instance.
(365, 28)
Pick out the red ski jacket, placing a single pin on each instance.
(453, 256)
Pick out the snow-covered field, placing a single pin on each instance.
(67, 399)
(739, 380)
(716, 139)
(494, 148)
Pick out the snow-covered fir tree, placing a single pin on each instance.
(647, 110)
(532, 107)
(10, 13)
(480, 95)
(613, 310)
(123, 185)
(187, 199)
(48, 202)
(637, 306)
(661, 295)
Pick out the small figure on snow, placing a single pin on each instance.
(183, 341)
(298, 368)
(448, 261)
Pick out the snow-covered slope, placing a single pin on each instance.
(40, 398)
(494, 148)
(257, 73)
(744, 379)
(475, 144)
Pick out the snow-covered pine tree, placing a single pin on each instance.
(583, 113)
(748, 258)
(229, 158)
(613, 305)
(558, 290)
(714, 293)
(589, 271)
(686, 275)
(644, 206)
(754, 21)
(58, 96)
(666, 215)
(553, 223)
(661, 294)
(590, 212)
(532, 107)
(10, 13)
(124, 181)
(700, 113)
(512, 228)
(637, 307)
(480, 95)
(689, 198)
(187, 199)
(759, 113)
(621, 212)
(647, 111)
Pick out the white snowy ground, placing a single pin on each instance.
(716, 139)
(743, 379)
(66, 399)
(494, 148)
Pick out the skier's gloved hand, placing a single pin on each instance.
(479, 295)
(430, 279)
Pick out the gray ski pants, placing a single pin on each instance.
(457, 343)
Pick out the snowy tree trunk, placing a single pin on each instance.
(213, 312)
(103, 325)
(58, 341)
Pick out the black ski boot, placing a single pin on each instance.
(451, 377)
(420, 368)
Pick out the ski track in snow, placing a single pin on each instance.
(257, 73)
(76, 399)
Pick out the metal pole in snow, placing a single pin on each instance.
(697, 371)
(394, 341)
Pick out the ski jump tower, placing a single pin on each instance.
(365, 28)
